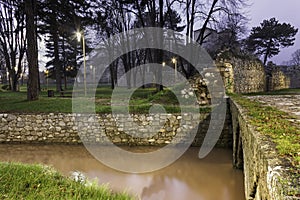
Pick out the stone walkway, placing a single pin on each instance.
(287, 103)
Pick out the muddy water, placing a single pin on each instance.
(212, 178)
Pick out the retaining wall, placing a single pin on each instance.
(266, 175)
(62, 128)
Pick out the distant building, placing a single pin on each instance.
(215, 40)
(211, 38)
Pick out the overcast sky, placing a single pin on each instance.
(284, 11)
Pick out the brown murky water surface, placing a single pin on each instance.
(212, 178)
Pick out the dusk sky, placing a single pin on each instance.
(284, 11)
(258, 10)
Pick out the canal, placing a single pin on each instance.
(188, 178)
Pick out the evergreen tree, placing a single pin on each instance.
(59, 22)
(267, 39)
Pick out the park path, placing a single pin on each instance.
(287, 103)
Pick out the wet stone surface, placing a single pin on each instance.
(287, 103)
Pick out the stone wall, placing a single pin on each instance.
(293, 74)
(227, 74)
(242, 76)
(239, 76)
(62, 128)
(249, 76)
(278, 80)
(276, 77)
(265, 174)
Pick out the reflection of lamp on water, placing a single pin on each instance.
(175, 65)
(163, 64)
(80, 35)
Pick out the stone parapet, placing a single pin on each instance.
(266, 174)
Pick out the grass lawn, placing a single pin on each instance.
(140, 101)
(22, 181)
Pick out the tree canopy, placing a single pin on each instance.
(267, 39)
(55, 23)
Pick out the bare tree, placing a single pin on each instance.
(203, 14)
(296, 58)
(12, 38)
(213, 13)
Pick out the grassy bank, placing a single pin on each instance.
(19, 181)
(275, 124)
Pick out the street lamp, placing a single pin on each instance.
(93, 72)
(68, 69)
(80, 35)
(175, 65)
(17, 80)
(46, 73)
(163, 64)
(7, 76)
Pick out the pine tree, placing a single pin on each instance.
(59, 22)
(269, 37)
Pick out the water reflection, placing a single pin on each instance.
(188, 178)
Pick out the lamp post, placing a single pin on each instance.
(79, 36)
(7, 77)
(17, 80)
(46, 72)
(93, 72)
(68, 69)
(175, 66)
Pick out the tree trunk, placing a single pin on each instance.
(56, 61)
(64, 63)
(267, 52)
(14, 82)
(32, 92)
(265, 59)
(159, 86)
(54, 32)
(201, 35)
(191, 36)
(37, 58)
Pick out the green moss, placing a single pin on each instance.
(20, 181)
(273, 123)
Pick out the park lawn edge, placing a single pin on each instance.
(35, 181)
(16, 102)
